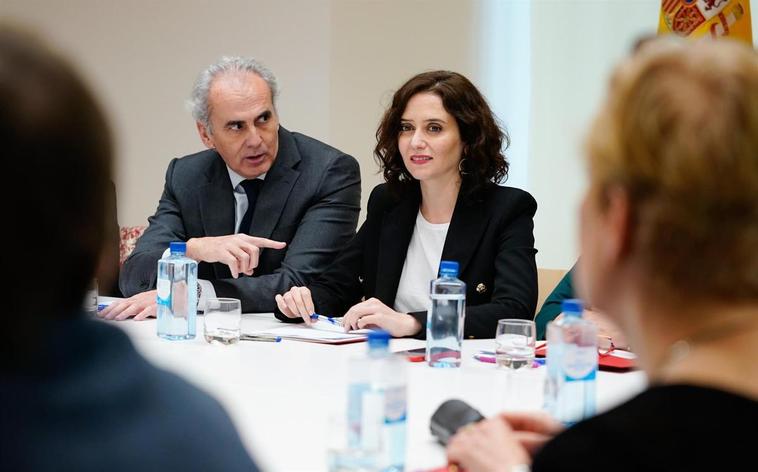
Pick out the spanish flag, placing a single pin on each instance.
(699, 19)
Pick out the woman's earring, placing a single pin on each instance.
(461, 170)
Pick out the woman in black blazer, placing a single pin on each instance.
(440, 150)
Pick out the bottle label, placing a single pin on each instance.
(579, 363)
(355, 412)
(394, 427)
(394, 405)
(372, 406)
(164, 290)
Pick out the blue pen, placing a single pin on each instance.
(328, 319)
(102, 306)
(260, 337)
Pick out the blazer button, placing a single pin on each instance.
(481, 288)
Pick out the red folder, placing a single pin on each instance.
(607, 362)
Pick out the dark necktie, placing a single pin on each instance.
(252, 187)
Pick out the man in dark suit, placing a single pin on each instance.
(262, 209)
(75, 394)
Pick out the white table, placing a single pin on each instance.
(280, 395)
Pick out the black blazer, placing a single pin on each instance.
(490, 235)
(310, 200)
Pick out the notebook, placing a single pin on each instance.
(318, 332)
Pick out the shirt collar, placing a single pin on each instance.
(236, 178)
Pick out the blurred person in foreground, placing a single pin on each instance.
(669, 252)
(75, 393)
(441, 152)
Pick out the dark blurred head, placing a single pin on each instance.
(57, 153)
(483, 159)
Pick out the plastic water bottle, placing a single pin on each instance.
(571, 365)
(377, 406)
(177, 294)
(444, 323)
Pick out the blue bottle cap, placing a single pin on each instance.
(378, 339)
(177, 247)
(572, 307)
(449, 268)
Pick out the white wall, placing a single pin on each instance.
(574, 47)
(543, 65)
(376, 46)
(143, 56)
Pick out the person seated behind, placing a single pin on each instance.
(76, 395)
(609, 335)
(669, 237)
(440, 150)
(262, 209)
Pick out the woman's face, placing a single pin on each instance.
(604, 221)
(429, 139)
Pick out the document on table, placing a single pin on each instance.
(318, 332)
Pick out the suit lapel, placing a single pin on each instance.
(466, 228)
(217, 200)
(397, 230)
(280, 180)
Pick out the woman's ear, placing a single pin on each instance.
(619, 224)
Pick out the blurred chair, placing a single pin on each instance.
(128, 236)
(547, 279)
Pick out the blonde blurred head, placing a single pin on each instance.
(678, 135)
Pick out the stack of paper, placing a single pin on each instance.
(318, 332)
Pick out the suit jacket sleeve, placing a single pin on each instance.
(515, 284)
(139, 271)
(341, 285)
(326, 227)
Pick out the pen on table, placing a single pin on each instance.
(260, 337)
(327, 319)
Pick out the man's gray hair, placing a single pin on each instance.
(198, 101)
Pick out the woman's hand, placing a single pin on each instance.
(489, 445)
(607, 328)
(532, 430)
(501, 442)
(372, 313)
(297, 303)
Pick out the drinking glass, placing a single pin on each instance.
(515, 340)
(222, 320)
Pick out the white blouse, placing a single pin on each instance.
(421, 265)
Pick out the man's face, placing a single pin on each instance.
(243, 123)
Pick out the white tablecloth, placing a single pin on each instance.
(280, 395)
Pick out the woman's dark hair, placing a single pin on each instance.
(483, 158)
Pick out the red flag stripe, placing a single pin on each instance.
(669, 5)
